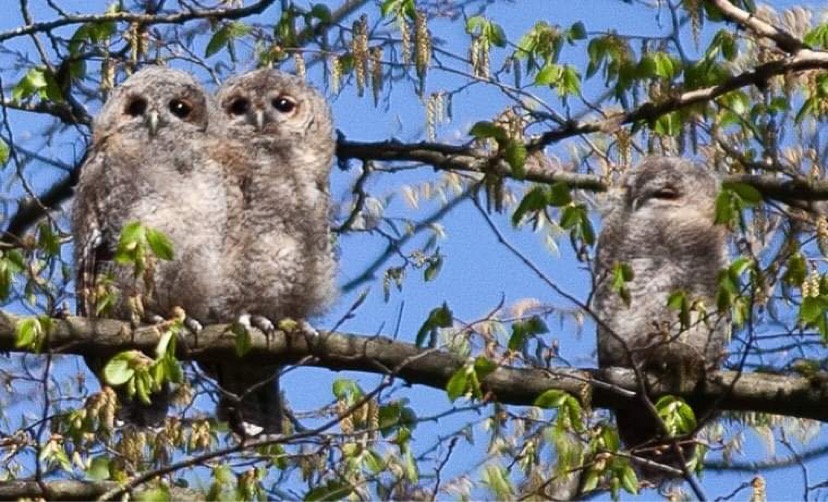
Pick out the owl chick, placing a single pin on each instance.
(663, 229)
(152, 160)
(283, 265)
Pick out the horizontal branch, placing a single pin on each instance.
(466, 159)
(762, 392)
(142, 18)
(74, 490)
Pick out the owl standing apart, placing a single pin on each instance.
(663, 229)
(152, 160)
(283, 264)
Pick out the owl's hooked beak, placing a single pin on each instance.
(152, 122)
(259, 120)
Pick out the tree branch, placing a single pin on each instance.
(762, 392)
(74, 490)
(142, 18)
(783, 39)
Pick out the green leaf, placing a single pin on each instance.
(119, 369)
(218, 41)
(26, 333)
(485, 129)
(345, 388)
(225, 35)
(552, 398)
(577, 31)
(243, 340)
(559, 194)
(746, 192)
(440, 317)
(796, 270)
(534, 200)
(457, 384)
(98, 469)
(4, 153)
(549, 75)
(483, 367)
(812, 309)
(158, 493)
(332, 490)
(521, 330)
(160, 244)
(629, 481)
(433, 268)
(515, 155)
(322, 12)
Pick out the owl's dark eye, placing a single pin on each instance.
(283, 104)
(239, 106)
(136, 107)
(180, 108)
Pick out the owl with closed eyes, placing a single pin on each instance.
(662, 229)
(154, 160)
(283, 264)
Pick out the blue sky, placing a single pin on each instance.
(477, 272)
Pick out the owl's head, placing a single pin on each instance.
(278, 109)
(667, 185)
(154, 100)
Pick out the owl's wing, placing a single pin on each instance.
(94, 244)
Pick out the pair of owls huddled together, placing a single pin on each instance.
(238, 182)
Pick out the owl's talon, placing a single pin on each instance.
(193, 325)
(264, 324)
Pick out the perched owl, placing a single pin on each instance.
(152, 160)
(663, 229)
(283, 265)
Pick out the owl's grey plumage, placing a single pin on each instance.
(283, 264)
(152, 160)
(663, 229)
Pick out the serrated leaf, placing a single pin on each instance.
(160, 244)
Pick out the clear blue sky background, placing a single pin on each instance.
(477, 272)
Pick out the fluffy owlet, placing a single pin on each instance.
(662, 229)
(151, 161)
(283, 264)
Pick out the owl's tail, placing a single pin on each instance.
(251, 402)
(642, 434)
